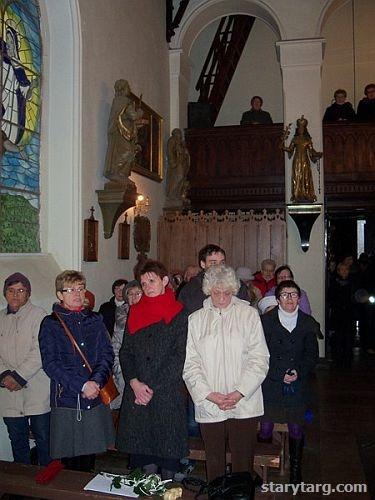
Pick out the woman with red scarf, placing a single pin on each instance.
(153, 414)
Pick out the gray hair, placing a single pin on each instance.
(223, 276)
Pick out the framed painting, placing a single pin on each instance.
(149, 158)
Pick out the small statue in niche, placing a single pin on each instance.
(301, 147)
(178, 167)
(124, 121)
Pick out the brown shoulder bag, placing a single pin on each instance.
(109, 391)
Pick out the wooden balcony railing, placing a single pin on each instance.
(243, 166)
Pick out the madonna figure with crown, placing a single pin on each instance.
(302, 148)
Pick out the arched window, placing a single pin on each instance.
(20, 126)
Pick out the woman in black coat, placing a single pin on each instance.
(291, 337)
(153, 425)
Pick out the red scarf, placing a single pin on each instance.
(150, 310)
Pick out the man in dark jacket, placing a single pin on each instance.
(256, 115)
(108, 309)
(192, 295)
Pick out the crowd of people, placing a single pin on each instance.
(351, 302)
(339, 111)
(342, 111)
(184, 349)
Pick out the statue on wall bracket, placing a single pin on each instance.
(125, 119)
(177, 185)
(303, 208)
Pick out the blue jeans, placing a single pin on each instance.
(18, 430)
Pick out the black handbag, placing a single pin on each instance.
(235, 486)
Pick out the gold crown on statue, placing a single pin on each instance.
(302, 121)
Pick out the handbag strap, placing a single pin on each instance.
(73, 341)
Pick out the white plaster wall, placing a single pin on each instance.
(120, 40)
(349, 60)
(364, 38)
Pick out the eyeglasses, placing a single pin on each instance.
(134, 294)
(286, 295)
(70, 291)
(15, 291)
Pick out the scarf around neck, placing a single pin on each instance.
(151, 310)
(287, 319)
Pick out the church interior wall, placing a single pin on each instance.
(349, 60)
(127, 40)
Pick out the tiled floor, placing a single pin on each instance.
(344, 415)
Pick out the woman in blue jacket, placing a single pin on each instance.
(81, 425)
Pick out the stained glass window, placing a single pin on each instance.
(20, 82)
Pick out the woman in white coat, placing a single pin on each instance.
(226, 363)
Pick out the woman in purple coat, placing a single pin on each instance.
(284, 273)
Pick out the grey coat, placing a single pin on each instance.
(121, 316)
(155, 355)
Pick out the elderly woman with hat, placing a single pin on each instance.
(24, 387)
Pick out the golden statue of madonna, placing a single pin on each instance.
(301, 147)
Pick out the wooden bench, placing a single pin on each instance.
(281, 433)
(266, 455)
(18, 479)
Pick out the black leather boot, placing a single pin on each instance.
(295, 459)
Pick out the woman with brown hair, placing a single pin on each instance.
(153, 414)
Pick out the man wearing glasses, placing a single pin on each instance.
(24, 387)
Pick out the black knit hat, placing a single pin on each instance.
(17, 278)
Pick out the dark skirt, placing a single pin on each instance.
(284, 414)
(72, 436)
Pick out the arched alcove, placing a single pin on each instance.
(328, 11)
(347, 26)
(257, 73)
(197, 17)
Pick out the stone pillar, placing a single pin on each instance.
(179, 70)
(301, 62)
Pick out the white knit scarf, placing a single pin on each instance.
(287, 319)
